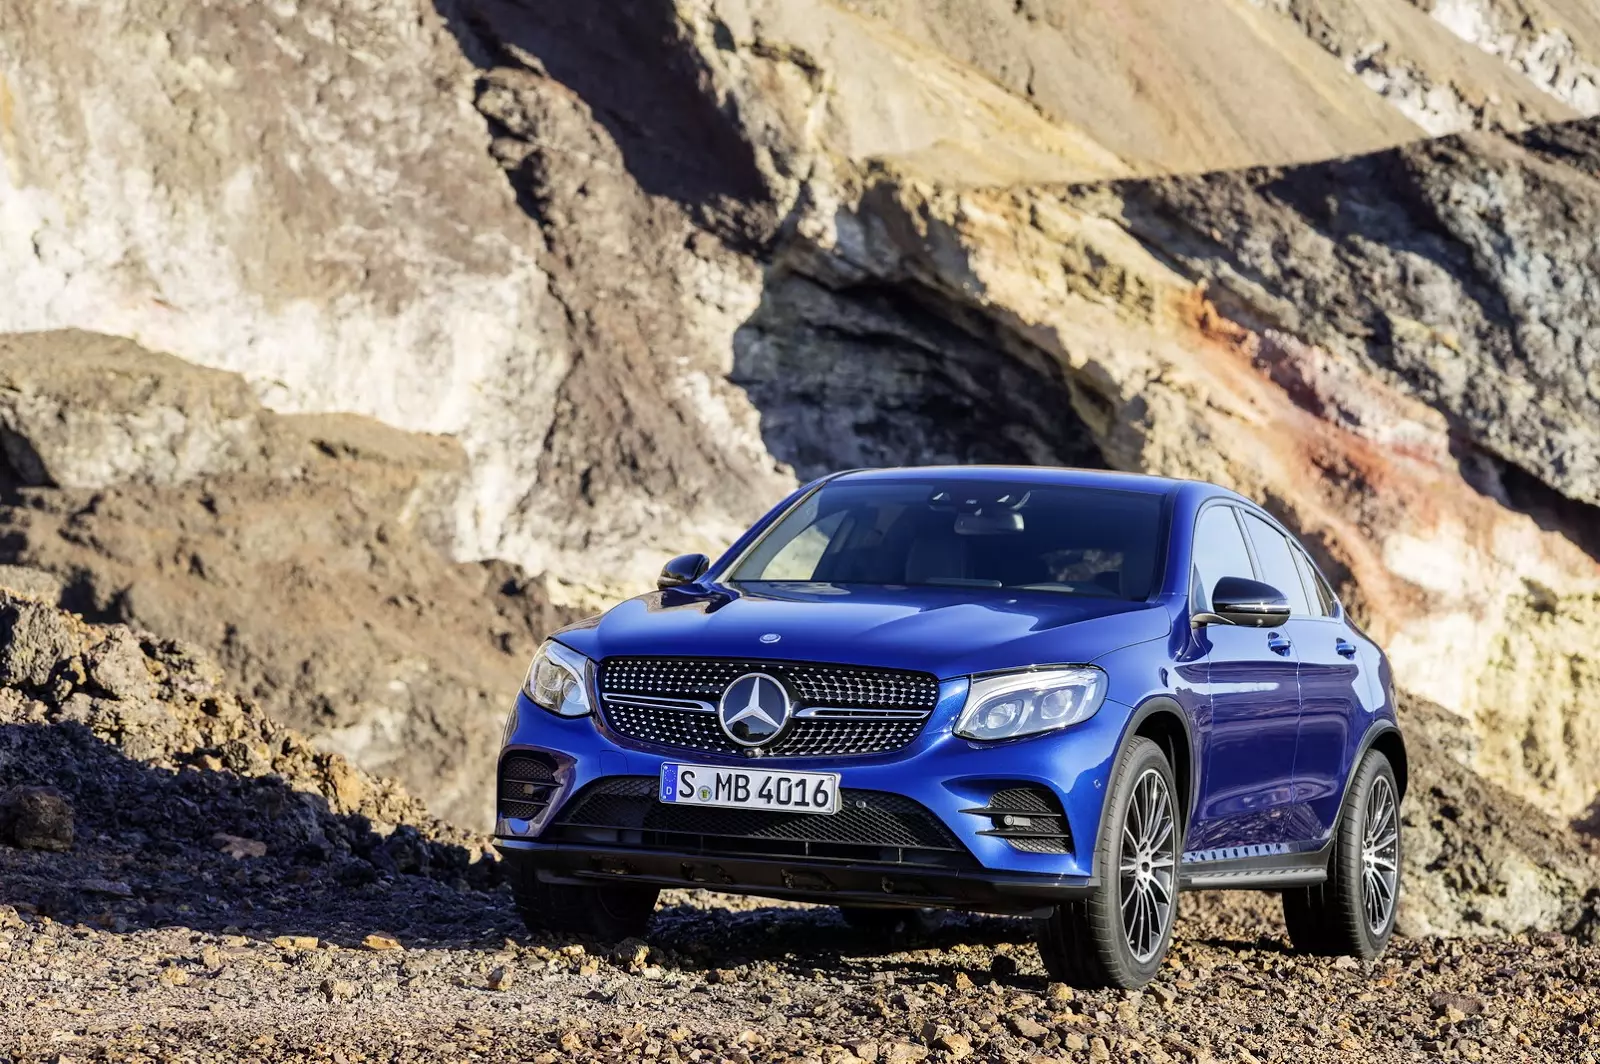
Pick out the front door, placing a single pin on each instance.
(1252, 688)
(1253, 679)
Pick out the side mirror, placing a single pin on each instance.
(1248, 603)
(684, 569)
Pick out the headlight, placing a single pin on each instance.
(1026, 703)
(558, 680)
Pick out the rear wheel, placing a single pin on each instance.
(1353, 911)
(1119, 935)
(607, 911)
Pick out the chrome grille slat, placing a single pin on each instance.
(840, 709)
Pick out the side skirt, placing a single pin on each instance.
(1253, 871)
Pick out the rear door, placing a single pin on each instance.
(1252, 680)
(1335, 696)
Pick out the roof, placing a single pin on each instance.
(1088, 478)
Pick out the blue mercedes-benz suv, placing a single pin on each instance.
(1016, 690)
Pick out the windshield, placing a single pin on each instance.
(907, 533)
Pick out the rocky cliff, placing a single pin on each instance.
(304, 550)
(648, 264)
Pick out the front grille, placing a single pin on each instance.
(526, 782)
(858, 710)
(870, 827)
(1029, 818)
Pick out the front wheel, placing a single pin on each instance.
(1119, 935)
(1352, 912)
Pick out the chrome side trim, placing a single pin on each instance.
(688, 705)
(839, 713)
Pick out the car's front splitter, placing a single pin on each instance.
(828, 883)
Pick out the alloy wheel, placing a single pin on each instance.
(1148, 872)
(1380, 853)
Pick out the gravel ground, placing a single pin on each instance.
(724, 979)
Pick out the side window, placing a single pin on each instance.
(1219, 551)
(1277, 563)
(1317, 590)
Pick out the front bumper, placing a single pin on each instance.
(946, 775)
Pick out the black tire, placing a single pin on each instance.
(885, 925)
(1341, 916)
(1087, 943)
(606, 911)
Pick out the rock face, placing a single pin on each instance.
(223, 185)
(313, 565)
(86, 411)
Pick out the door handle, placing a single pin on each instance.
(1278, 644)
(1345, 647)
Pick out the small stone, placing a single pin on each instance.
(1074, 1041)
(1346, 963)
(34, 639)
(961, 981)
(295, 942)
(238, 848)
(338, 989)
(346, 784)
(570, 1041)
(722, 975)
(1060, 992)
(903, 1053)
(1166, 993)
(502, 978)
(111, 887)
(36, 818)
(957, 1045)
(1098, 1050)
(866, 1049)
(173, 977)
(1027, 1028)
(213, 958)
(118, 667)
(630, 953)
(1455, 1007)
(380, 942)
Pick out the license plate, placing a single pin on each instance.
(743, 788)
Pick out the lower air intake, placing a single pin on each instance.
(871, 827)
(527, 781)
(1029, 818)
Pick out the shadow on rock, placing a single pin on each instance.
(215, 850)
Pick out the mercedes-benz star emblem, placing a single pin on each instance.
(754, 709)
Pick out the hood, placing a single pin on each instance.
(946, 631)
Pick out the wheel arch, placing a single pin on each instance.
(1162, 720)
(1385, 738)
